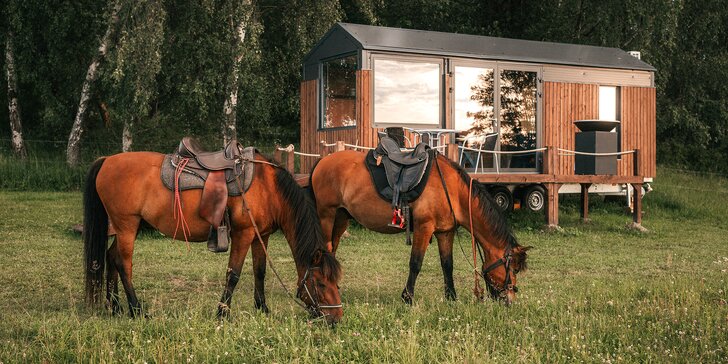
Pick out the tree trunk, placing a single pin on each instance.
(16, 127)
(126, 137)
(231, 101)
(74, 139)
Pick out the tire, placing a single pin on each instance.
(534, 199)
(503, 198)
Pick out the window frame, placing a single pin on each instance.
(321, 90)
(440, 61)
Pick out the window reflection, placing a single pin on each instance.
(406, 92)
(474, 114)
(339, 90)
(518, 91)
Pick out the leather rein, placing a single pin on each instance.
(316, 307)
(505, 260)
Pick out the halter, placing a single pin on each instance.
(315, 308)
(505, 261)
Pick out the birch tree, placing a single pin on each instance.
(16, 127)
(74, 139)
(231, 100)
(135, 63)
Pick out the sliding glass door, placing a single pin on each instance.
(496, 108)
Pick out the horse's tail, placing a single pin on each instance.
(95, 235)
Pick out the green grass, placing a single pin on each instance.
(594, 292)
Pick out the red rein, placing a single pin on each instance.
(181, 222)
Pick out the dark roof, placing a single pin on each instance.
(475, 46)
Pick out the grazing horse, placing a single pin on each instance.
(343, 189)
(126, 189)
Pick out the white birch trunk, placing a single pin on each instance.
(126, 136)
(230, 105)
(16, 127)
(74, 139)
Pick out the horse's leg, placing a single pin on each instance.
(341, 223)
(112, 279)
(422, 239)
(445, 245)
(327, 218)
(259, 265)
(240, 244)
(123, 259)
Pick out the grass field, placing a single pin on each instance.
(594, 292)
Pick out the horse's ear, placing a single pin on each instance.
(317, 257)
(524, 249)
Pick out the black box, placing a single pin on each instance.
(596, 142)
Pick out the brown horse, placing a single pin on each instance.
(126, 189)
(343, 189)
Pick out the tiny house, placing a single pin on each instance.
(515, 99)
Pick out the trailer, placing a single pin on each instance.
(502, 108)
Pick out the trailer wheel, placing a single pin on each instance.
(535, 198)
(503, 198)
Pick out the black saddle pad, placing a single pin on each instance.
(379, 178)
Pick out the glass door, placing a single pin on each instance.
(474, 113)
(518, 114)
(495, 107)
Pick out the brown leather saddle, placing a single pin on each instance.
(399, 175)
(219, 174)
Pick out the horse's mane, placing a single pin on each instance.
(488, 210)
(309, 238)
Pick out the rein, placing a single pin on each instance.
(504, 260)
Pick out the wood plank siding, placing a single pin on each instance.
(638, 111)
(562, 104)
(566, 102)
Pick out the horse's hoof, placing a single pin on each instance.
(451, 296)
(262, 308)
(407, 297)
(223, 311)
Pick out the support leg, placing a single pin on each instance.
(419, 247)
(552, 210)
(242, 239)
(445, 245)
(259, 266)
(585, 202)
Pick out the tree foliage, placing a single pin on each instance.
(169, 66)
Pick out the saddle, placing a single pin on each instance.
(398, 175)
(217, 174)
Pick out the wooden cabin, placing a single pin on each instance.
(509, 95)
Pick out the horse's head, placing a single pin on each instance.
(319, 287)
(500, 272)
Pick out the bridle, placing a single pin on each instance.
(316, 307)
(505, 260)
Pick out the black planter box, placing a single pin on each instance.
(596, 142)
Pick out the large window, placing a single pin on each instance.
(407, 92)
(339, 92)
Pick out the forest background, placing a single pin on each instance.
(84, 78)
